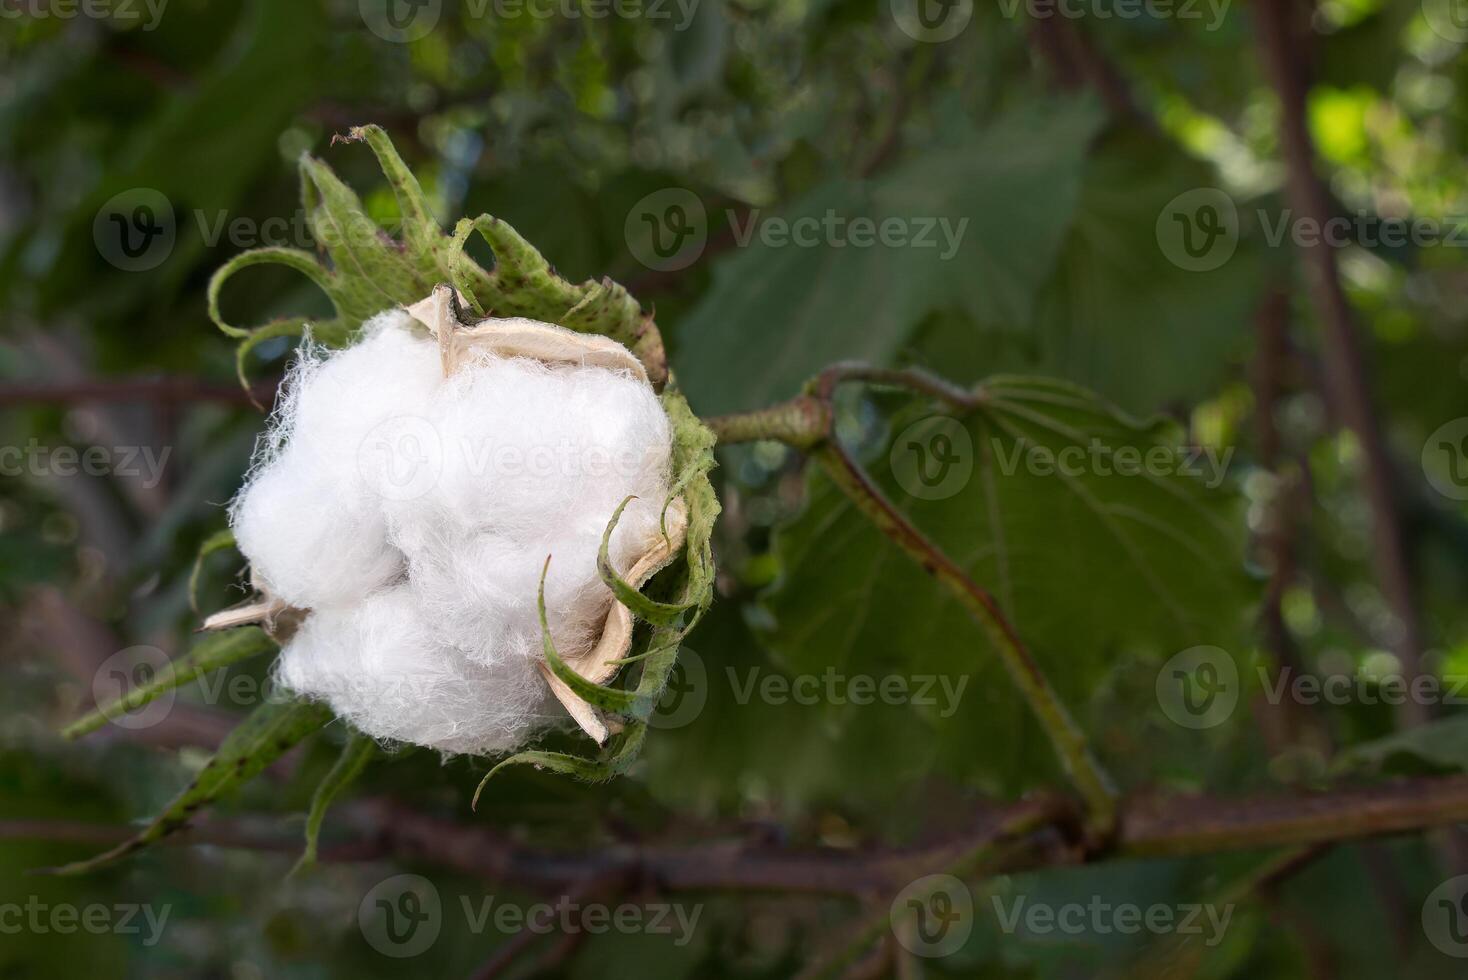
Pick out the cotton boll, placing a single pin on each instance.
(377, 665)
(413, 515)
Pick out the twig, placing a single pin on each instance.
(990, 851)
(153, 390)
(1153, 826)
(1076, 62)
(506, 955)
(913, 379)
(1276, 537)
(1281, 42)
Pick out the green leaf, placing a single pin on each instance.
(421, 233)
(1084, 566)
(777, 313)
(291, 258)
(206, 143)
(523, 283)
(1121, 318)
(210, 654)
(356, 754)
(693, 460)
(1442, 744)
(218, 541)
(1116, 314)
(869, 767)
(272, 730)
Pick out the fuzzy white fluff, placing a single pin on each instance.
(412, 514)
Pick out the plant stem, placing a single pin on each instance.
(1070, 743)
(1282, 29)
(800, 423)
(158, 391)
(1150, 827)
(1003, 846)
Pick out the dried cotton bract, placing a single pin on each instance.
(407, 496)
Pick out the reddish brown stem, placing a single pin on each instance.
(1282, 30)
(150, 390)
(1148, 827)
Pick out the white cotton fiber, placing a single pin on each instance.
(413, 513)
(380, 669)
(524, 440)
(314, 532)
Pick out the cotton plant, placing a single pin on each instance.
(480, 510)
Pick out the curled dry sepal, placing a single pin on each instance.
(644, 581)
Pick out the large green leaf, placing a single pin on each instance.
(1116, 314)
(779, 312)
(1087, 564)
(1119, 316)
